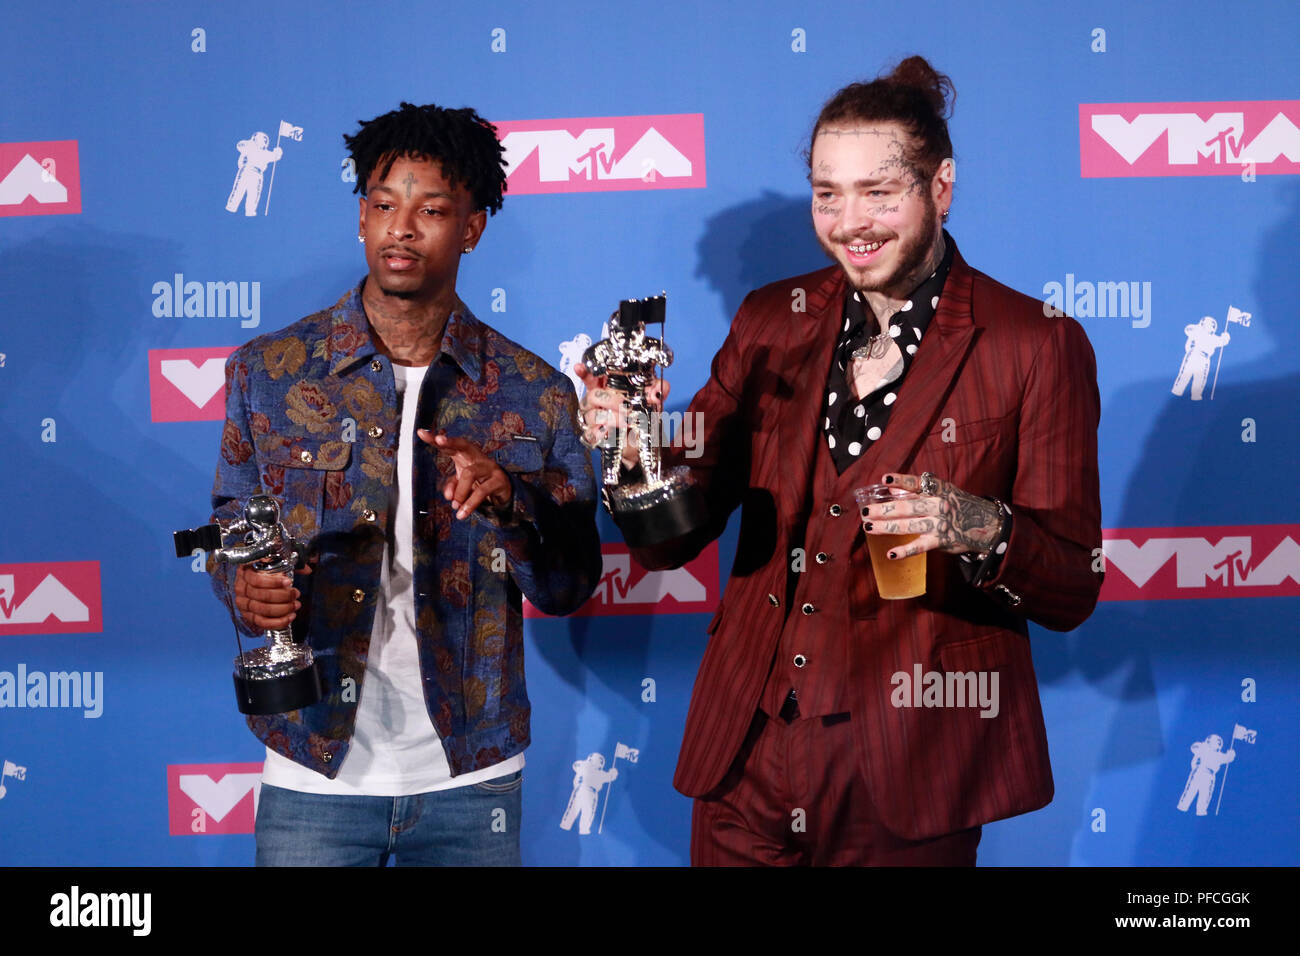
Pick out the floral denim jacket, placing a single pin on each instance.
(311, 418)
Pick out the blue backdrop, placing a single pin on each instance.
(118, 152)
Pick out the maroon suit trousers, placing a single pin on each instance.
(794, 797)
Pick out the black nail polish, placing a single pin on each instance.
(868, 526)
(892, 555)
(889, 479)
(864, 510)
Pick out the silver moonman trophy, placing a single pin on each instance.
(661, 506)
(283, 675)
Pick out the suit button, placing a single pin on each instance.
(304, 456)
(773, 600)
(834, 511)
(808, 609)
(800, 660)
(374, 431)
(358, 596)
(376, 366)
(369, 515)
(822, 557)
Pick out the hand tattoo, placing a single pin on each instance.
(965, 522)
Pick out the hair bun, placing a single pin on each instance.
(937, 89)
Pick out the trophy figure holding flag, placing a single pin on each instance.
(283, 675)
(657, 507)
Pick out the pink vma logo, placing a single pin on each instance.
(1189, 139)
(188, 385)
(50, 598)
(596, 154)
(212, 797)
(40, 179)
(625, 588)
(1160, 564)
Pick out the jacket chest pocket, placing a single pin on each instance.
(305, 475)
(972, 455)
(521, 456)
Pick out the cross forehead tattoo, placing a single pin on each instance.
(409, 181)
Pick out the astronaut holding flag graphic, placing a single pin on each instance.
(588, 777)
(1203, 340)
(1209, 756)
(254, 157)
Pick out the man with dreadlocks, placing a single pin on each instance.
(434, 469)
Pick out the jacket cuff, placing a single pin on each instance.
(515, 515)
(981, 570)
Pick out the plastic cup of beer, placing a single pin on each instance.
(902, 577)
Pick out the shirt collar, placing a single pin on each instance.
(349, 342)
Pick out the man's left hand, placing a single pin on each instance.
(478, 477)
(948, 519)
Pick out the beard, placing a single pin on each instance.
(914, 256)
(398, 293)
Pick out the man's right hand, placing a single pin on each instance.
(604, 409)
(266, 601)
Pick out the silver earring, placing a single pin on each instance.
(467, 250)
(360, 238)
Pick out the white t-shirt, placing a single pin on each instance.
(395, 749)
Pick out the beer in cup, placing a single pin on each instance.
(902, 577)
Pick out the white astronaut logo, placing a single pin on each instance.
(254, 157)
(588, 777)
(1203, 340)
(1208, 756)
(11, 769)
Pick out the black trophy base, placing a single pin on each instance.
(671, 516)
(279, 695)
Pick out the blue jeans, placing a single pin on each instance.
(477, 825)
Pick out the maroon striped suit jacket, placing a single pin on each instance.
(1015, 394)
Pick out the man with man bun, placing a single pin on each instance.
(829, 726)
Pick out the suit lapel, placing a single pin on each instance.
(947, 341)
(805, 362)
